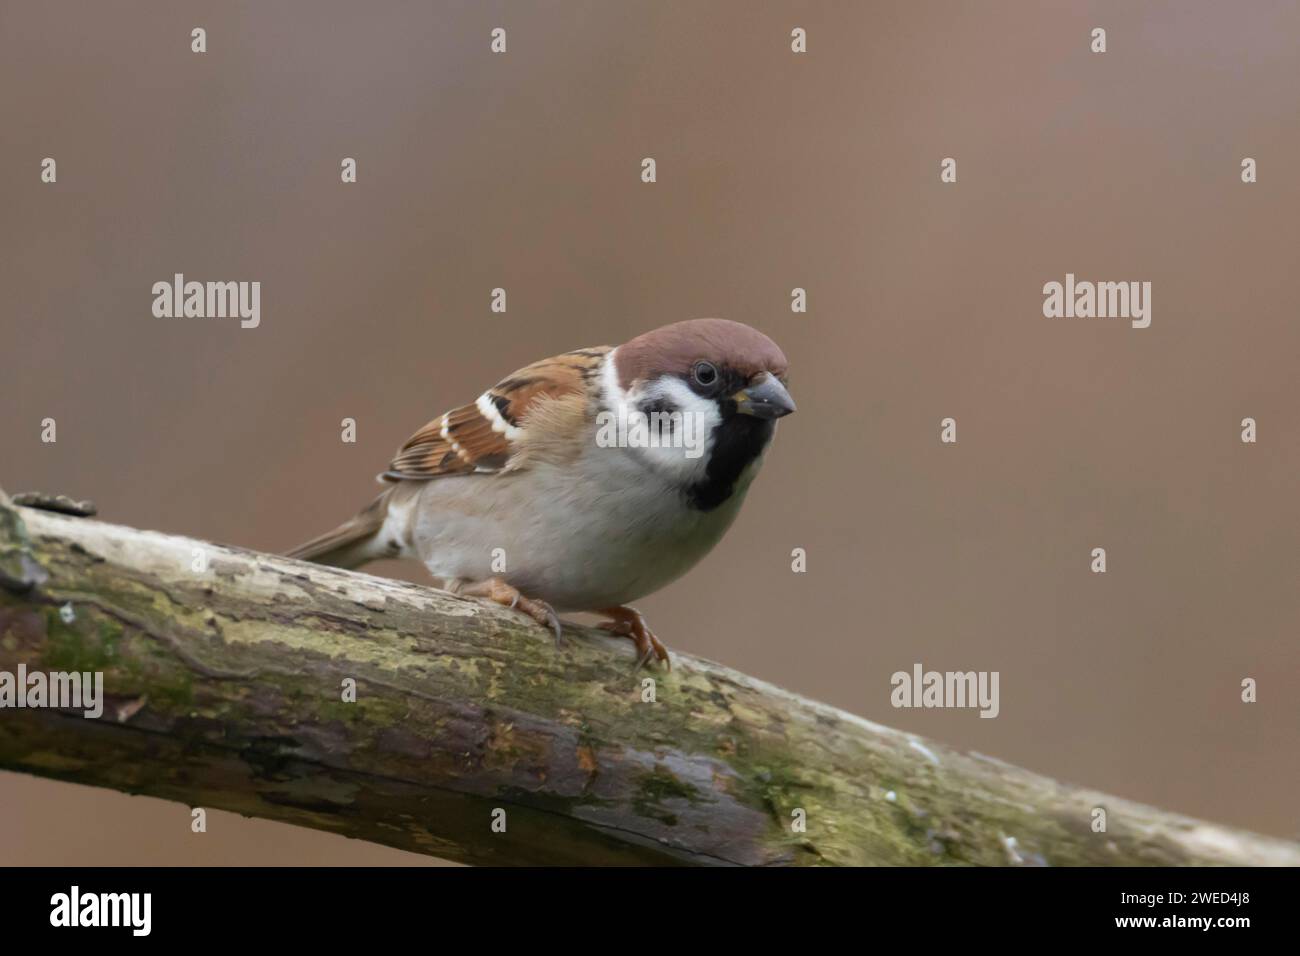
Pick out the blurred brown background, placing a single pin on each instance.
(775, 171)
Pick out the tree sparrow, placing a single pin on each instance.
(584, 481)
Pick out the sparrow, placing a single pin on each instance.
(581, 482)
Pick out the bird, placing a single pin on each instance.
(581, 482)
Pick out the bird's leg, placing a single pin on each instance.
(628, 622)
(494, 589)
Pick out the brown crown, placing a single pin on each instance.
(674, 349)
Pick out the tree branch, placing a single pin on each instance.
(225, 687)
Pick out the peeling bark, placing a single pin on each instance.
(225, 689)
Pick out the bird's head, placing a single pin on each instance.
(717, 387)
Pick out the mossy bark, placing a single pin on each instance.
(225, 689)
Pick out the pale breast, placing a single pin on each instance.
(594, 533)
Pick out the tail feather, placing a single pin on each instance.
(352, 543)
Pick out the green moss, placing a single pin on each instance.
(369, 710)
(84, 644)
(176, 694)
(659, 786)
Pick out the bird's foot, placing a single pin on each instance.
(628, 622)
(498, 591)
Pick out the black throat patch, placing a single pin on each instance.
(736, 443)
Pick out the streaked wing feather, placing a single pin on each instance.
(484, 435)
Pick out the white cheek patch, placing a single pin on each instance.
(677, 439)
(694, 417)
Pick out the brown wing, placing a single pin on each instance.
(482, 436)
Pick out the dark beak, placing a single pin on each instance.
(764, 397)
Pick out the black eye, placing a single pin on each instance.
(704, 374)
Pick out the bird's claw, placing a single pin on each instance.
(629, 623)
(543, 614)
(554, 621)
(499, 592)
(644, 659)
